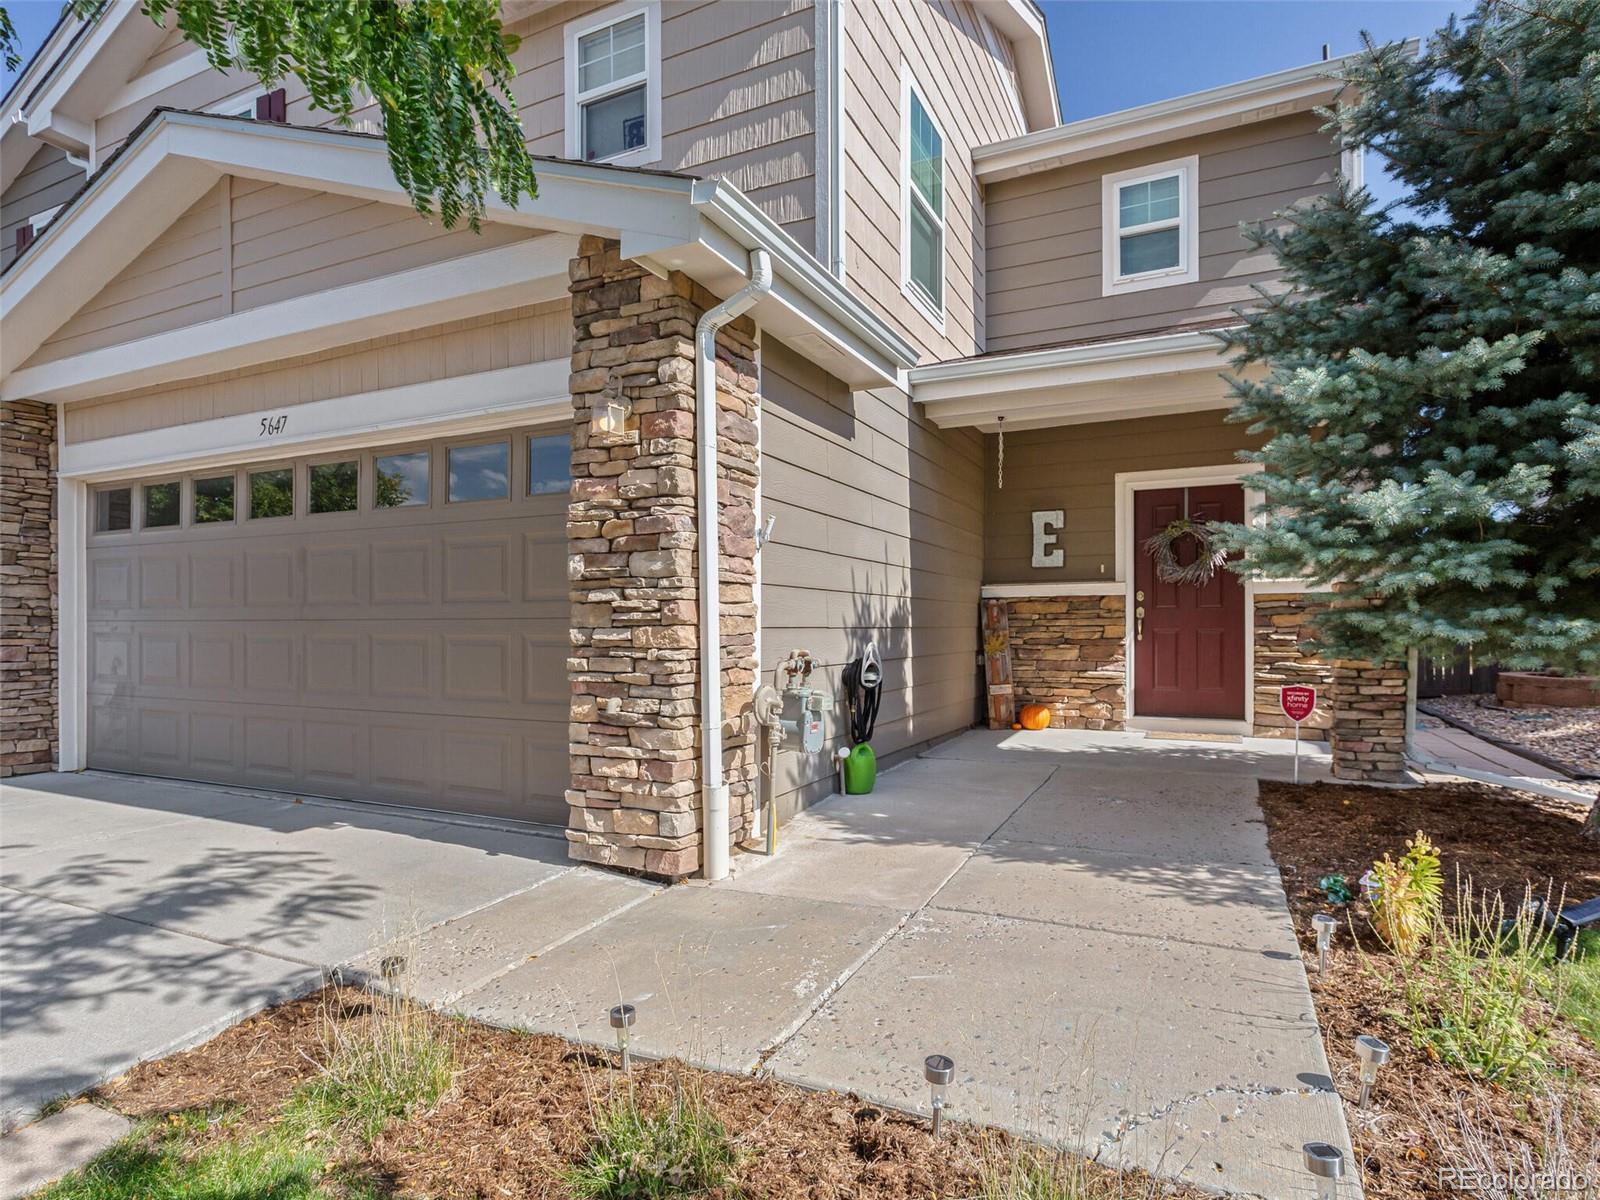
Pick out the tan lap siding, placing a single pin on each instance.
(964, 85)
(245, 244)
(177, 280)
(535, 333)
(1044, 235)
(48, 180)
(737, 96)
(878, 538)
(1074, 468)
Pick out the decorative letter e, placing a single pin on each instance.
(1046, 525)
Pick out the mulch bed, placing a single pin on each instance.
(520, 1114)
(1504, 841)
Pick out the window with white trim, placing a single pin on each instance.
(1151, 224)
(922, 243)
(613, 66)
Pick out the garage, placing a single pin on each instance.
(385, 624)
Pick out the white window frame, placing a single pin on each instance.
(246, 99)
(932, 309)
(1112, 282)
(592, 23)
(40, 219)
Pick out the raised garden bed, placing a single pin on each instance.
(518, 1115)
(1505, 841)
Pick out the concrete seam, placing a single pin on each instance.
(844, 977)
(1152, 937)
(457, 996)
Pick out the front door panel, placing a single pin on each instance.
(1188, 657)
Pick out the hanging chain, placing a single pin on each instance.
(1000, 482)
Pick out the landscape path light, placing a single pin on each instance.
(1326, 1164)
(938, 1070)
(622, 1017)
(1324, 925)
(1373, 1053)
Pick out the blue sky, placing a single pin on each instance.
(1113, 54)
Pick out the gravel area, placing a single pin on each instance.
(1569, 736)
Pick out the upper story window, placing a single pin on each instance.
(922, 242)
(614, 86)
(1150, 218)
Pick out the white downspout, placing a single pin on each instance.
(714, 824)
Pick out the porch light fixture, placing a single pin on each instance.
(938, 1070)
(622, 1017)
(1373, 1053)
(1326, 1165)
(1324, 925)
(608, 415)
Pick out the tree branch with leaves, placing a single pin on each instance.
(438, 71)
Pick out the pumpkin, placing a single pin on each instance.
(1035, 716)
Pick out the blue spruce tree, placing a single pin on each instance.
(1429, 382)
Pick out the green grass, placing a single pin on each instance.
(1025, 1172)
(385, 1066)
(165, 1160)
(1580, 998)
(645, 1152)
(398, 1062)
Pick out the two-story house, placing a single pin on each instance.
(307, 493)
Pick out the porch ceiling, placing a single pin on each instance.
(1067, 385)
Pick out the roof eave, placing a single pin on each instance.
(1297, 89)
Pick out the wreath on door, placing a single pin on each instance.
(1162, 547)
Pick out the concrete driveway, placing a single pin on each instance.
(139, 915)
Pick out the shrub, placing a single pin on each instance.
(651, 1152)
(1474, 999)
(1406, 895)
(390, 1062)
(1029, 1172)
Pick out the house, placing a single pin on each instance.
(306, 493)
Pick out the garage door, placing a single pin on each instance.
(389, 624)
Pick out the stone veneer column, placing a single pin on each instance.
(28, 642)
(632, 533)
(1369, 720)
(1283, 623)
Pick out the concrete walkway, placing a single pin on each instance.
(1090, 924)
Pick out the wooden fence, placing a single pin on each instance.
(1458, 674)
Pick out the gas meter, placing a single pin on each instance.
(798, 708)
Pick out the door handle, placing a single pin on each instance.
(1138, 624)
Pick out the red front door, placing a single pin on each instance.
(1188, 651)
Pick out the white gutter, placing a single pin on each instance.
(714, 822)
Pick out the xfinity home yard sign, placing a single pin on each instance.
(1298, 702)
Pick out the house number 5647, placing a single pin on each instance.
(273, 426)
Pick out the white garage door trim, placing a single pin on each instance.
(438, 408)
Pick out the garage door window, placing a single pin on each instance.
(272, 493)
(161, 505)
(401, 480)
(333, 486)
(113, 510)
(549, 464)
(480, 472)
(213, 500)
